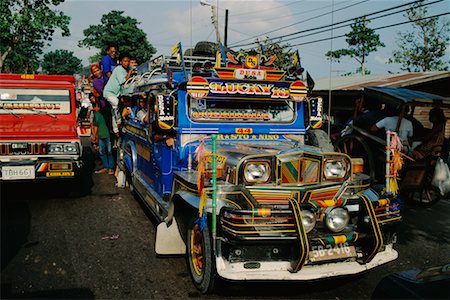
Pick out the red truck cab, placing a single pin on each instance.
(38, 136)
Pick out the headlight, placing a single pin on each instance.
(336, 218)
(258, 171)
(309, 220)
(335, 169)
(62, 148)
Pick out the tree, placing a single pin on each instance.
(119, 30)
(26, 26)
(361, 40)
(61, 62)
(423, 48)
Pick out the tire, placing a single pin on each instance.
(355, 146)
(320, 139)
(199, 256)
(205, 48)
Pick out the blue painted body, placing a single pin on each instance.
(156, 162)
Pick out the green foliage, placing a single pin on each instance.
(284, 53)
(423, 48)
(61, 62)
(26, 26)
(358, 71)
(361, 41)
(119, 30)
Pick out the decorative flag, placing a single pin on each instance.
(310, 82)
(177, 49)
(261, 47)
(218, 59)
(296, 59)
(222, 54)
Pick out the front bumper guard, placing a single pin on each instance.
(280, 270)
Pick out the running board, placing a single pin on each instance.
(157, 205)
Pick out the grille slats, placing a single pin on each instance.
(10, 149)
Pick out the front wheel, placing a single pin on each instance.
(200, 257)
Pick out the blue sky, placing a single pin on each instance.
(167, 22)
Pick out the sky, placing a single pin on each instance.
(168, 22)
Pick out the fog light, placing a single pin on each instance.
(336, 218)
(309, 220)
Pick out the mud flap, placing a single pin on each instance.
(373, 248)
(168, 239)
(301, 237)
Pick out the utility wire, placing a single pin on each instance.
(303, 21)
(345, 25)
(277, 18)
(271, 8)
(376, 28)
(337, 23)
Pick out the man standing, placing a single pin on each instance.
(113, 87)
(108, 62)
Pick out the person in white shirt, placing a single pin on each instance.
(405, 131)
(142, 114)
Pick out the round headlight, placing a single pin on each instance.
(335, 169)
(309, 220)
(257, 172)
(336, 218)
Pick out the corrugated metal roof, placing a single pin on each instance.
(397, 95)
(358, 82)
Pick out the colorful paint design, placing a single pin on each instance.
(300, 171)
(200, 87)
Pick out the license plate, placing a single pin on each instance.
(18, 172)
(321, 253)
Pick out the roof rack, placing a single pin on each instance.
(163, 61)
(154, 72)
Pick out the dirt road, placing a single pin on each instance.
(102, 246)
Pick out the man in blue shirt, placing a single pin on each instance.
(108, 62)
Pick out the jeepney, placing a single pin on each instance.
(243, 182)
(38, 135)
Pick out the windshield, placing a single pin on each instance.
(34, 101)
(213, 110)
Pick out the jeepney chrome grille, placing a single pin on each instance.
(23, 148)
(245, 224)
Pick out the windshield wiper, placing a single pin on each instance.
(14, 114)
(40, 112)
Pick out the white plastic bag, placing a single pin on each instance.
(441, 177)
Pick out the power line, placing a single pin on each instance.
(271, 8)
(294, 14)
(377, 28)
(296, 23)
(345, 25)
(341, 22)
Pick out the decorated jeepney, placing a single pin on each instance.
(233, 165)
